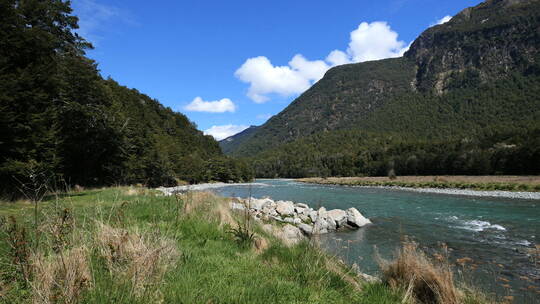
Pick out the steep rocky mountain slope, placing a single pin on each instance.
(477, 73)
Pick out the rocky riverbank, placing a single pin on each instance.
(300, 218)
(515, 187)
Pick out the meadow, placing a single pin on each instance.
(135, 245)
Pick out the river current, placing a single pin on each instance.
(497, 235)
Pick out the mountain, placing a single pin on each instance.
(230, 142)
(472, 79)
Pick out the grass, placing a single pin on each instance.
(132, 245)
(482, 183)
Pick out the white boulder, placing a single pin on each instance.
(285, 208)
(306, 229)
(237, 206)
(356, 219)
(321, 224)
(338, 216)
(290, 234)
(258, 204)
(304, 218)
(269, 211)
(289, 220)
(331, 224)
(300, 210)
(301, 205)
(313, 215)
(322, 212)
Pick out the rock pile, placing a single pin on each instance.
(306, 219)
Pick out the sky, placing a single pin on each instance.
(231, 64)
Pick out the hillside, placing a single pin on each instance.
(473, 79)
(62, 124)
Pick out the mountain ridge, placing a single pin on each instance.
(438, 77)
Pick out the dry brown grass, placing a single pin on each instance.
(224, 214)
(422, 280)
(61, 278)
(213, 207)
(139, 190)
(132, 191)
(140, 258)
(260, 244)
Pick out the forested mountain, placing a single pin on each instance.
(60, 122)
(473, 80)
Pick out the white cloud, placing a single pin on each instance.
(442, 20)
(222, 132)
(370, 41)
(310, 70)
(337, 57)
(374, 41)
(265, 78)
(217, 106)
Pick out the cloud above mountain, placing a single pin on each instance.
(216, 106)
(222, 132)
(370, 41)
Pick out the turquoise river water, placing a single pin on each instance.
(499, 235)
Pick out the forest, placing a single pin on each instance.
(359, 153)
(62, 124)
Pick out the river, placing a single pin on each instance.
(498, 234)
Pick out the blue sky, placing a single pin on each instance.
(231, 64)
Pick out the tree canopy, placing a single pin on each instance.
(61, 121)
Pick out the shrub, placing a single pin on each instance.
(139, 258)
(243, 235)
(61, 278)
(423, 281)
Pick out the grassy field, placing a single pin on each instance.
(504, 183)
(133, 245)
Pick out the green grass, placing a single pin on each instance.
(211, 267)
(210, 264)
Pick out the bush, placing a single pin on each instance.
(423, 281)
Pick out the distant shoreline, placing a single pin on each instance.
(520, 187)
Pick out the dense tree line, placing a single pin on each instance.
(59, 120)
(357, 153)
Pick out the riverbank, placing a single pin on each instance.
(525, 187)
(135, 245)
(201, 187)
